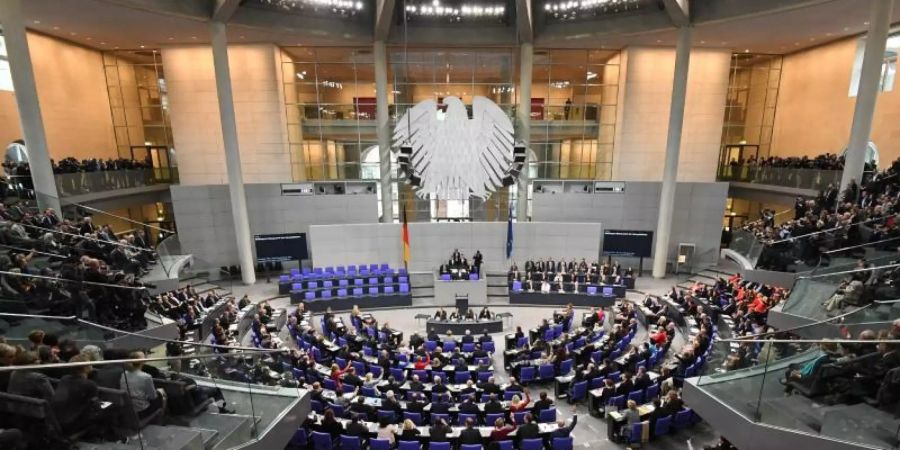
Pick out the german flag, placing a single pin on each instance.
(405, 237)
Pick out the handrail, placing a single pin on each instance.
(861, 245)
(776, 215)
(108, 362)
(116, 243)
(816, 341)
(120, 217)
(12, 247)
(863, 269)
(92, 283)
(153, 338)
(750, 338)
(804, 236)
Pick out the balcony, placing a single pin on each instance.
(85, 187)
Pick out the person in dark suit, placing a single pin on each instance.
(415, 384)
(493, 406)
(441, 405)
(563, 430)
(657, 413)
(75, 400)
(490, 387)
(360, 407)
(642, 379)
(626, 386)
(529, 429)
(354, 428)
(439, 431)
(542, 404)
(468, 338)
(468, 407)
(469, 435)
(331, 425)
(673, 404)
(390, 403)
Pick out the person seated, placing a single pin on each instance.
(331, 425)
(439, 387)
(673, 403)
(360, 407)
(493, 405)
(145, 399)
(75, 400)
(415, 403)
(485, 314)
(441, 405)
(440, 430)
(468, 406)
(357, 429)
(490, 387)
(415, 384)
(543, 403)
(518, 404)
(470, 435)
(805, 375)
(441, 314)
(529, 429)
(469, 315)
(390, 403)
(501, 430)
(467, 338)
(409, 431)
(562, 430)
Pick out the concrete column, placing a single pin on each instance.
(383, 129)
(232, 153)
(867, 94)
(673, 147)
(523, 120)
(29, 106)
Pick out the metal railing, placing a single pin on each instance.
(814, 179)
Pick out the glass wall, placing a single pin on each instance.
(574, 95)
(136, 84)
(330, 99)
(750, 106)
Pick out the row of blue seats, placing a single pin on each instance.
(664, 425)
(547, 415)
(446, 277)
(345, 282)
(591, 289)
(326, 293)
(341, 271)
(323, 441)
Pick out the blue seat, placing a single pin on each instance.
(546, 372)
(434, 418)
(367, 391)
(439, 446)
(326, 293)
(596, 383)
(563, 443)
(473, 277)
(616, 376)
(296, 286)
(635, 432)
(329, 384)
(379, 444)
(461, 419)
(387, 415)
(578, 392)
(520, 416)
(449, 346)
(317, 406)
(423, 375)
(408, 445)
(490, 419)
(592, 290)
(526, 374)
(508, 395)
(488, 346)
(566, 366)
(339, 409)
(484, 376)
(343, 282)
(351, 442)
(388, 289)
(373, 290)
(341, 292)
(312, 284)
(357, 292)
(506, 445)
(517, 286)
(637, 396)
(415, 417)
(321, 441)
(327, 284)
(309, 295)
(402, 279)
(523, 341)
(461, 377)
(682, 419)
(445, 277)
(532, 444)
(398, 374)
(618, 401)
(663, 424)
(652, 392)
(373, 281)
(468, 347)
(471, 447)
(547, 415)
(300, 438)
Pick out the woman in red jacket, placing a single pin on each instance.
(501, 430)
(336, 374)
(517, 404)
(421, 364)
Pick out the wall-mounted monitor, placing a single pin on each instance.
(627, 243)
(281, 247)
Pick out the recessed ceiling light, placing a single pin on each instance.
(193, 37)
(865, 23)
(812, 39)
(658, 41)
(171, 38)
(724, 42)
(241, 37)
(55, 28)
(702, 42)
(103, 43)
(142, 46)
(90, 38)
(827, 34)
(746, 50)
(796, 44)
(37, 21)
(846, 28)
(116, 47)
(72, 33)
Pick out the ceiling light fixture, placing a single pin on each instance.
(572, 9)
(456, 13)
(37, 21)
(342, 7)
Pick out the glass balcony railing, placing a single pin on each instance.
(212, 399)
(78, 183)
(779, 176)
(816, 387)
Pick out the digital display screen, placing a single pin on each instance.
(281, 247)
(627, 243)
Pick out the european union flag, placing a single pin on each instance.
(509, 234)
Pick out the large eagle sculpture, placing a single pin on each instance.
(453, 155)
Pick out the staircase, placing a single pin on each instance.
(497, 287)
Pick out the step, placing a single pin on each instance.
(503, 290)
(422, 291)
(233, 429)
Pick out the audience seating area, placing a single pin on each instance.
(341, 287)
